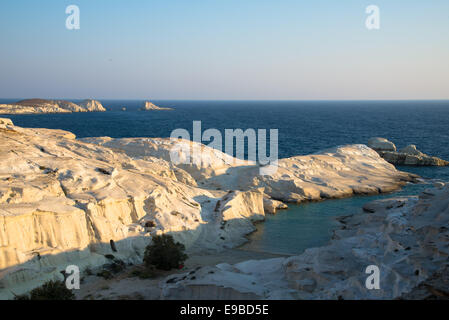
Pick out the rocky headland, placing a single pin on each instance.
(31, 106)
(65, 201)
(149, 106)
(408, 156)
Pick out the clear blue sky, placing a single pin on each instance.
(225, 49)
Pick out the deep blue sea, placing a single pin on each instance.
(304, 127)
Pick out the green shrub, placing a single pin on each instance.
(164, 253)
(51, 290)
(149, 272)
(117, 266)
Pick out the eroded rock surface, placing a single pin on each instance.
(334, 173)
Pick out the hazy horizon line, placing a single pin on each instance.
(249, 100)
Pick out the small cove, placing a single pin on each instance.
(311, 224)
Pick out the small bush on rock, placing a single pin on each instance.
(51, 290)
(149, 272)
(164, 253)
(105, 274)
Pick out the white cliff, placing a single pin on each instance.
(62, 200)
(32, 106)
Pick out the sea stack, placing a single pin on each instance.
(148, 106)
(92, 105)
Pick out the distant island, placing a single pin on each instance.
(148, 106)
(31, 106)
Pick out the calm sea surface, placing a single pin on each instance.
(304, 128)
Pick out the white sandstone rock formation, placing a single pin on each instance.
(62, 200)
(409, 156)
(209, 163)
(407, 238)
(333, 173)
(411, 150)
(272, 206)
(4, 123)
(148, 106)
(381, 144)
(31, 106)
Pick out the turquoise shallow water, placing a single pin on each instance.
(311, 224)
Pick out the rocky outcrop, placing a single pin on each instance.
(381, 144)
(64, 201)
(436, 287)
(4, 123)
(92, 105)
(31, 106)
(333, 173)
(149, 106)
(406, 238)
(408, 156)
(272, 206)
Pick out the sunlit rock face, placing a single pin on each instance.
(63, 200)
(92, 105)
(4, 123)
(381, 144)
(333, 173)
(31, 106)
(406, 238)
